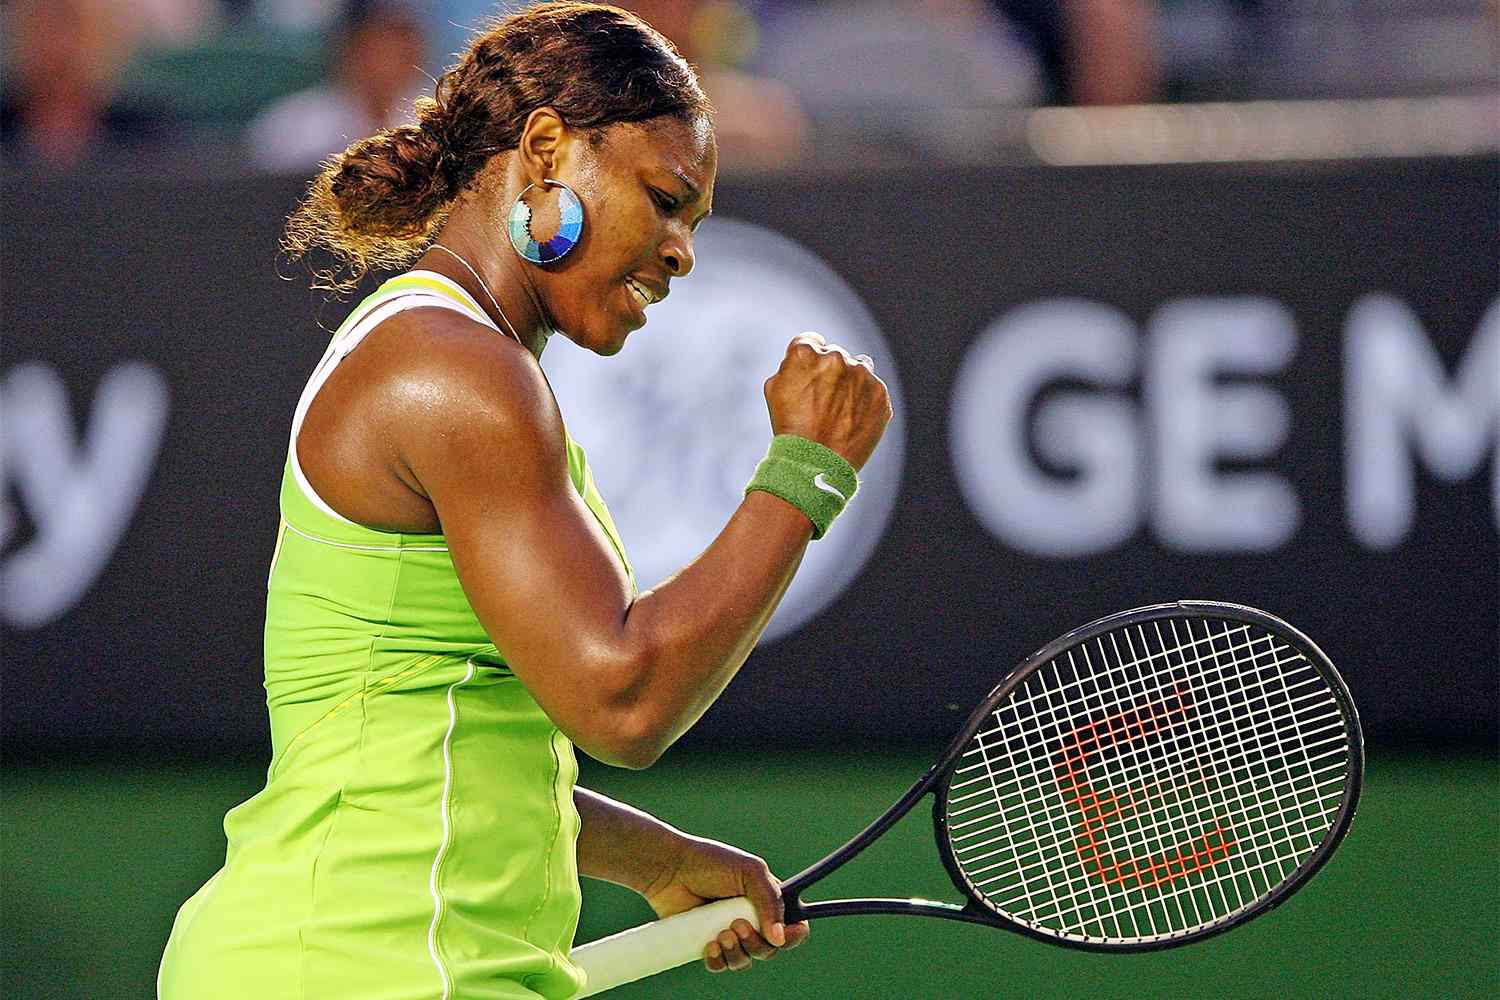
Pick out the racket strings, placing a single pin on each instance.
(987, 790)
(1148, 784)
(1217, 845)
(1038, 857)
(1095, 819)
(1210, 850)
(1171, 868)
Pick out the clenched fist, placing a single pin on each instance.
(824, 395)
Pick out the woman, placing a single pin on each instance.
(450, 609)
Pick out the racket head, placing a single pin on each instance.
(1187, 697)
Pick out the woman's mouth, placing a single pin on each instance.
(643, 295)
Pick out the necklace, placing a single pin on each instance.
(493, 301)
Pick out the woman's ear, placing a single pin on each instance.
(543, 140)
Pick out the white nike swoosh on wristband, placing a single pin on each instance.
(822, 483)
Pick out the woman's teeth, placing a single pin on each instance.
(642, 296)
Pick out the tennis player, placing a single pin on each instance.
(450, 608)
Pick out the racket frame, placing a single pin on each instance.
(975, 909)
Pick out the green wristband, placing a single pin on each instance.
(815, 479)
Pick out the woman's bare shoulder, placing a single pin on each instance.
(450, 384)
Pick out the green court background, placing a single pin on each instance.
(98, 857)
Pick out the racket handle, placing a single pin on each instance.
(651, 948)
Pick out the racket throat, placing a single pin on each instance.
(793, 888)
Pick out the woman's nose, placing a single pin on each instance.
(677, 254)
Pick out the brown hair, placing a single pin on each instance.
(379, 202)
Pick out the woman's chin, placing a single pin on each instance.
(609, 344)
(605, 343)
(612, 343)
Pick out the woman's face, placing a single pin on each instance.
(645, 188)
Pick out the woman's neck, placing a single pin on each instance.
(498, 280)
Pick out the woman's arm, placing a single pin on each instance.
(621, 844)
(622, 675)
(676, 872)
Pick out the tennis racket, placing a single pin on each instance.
(1151, 779)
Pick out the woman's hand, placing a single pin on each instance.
(706, 870)
(825, 395)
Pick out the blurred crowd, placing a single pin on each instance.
(284, 83)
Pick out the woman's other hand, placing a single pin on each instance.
(706, 870)
(826, 395)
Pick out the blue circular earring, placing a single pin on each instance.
(570, 213)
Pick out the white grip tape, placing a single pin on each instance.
(651, 948)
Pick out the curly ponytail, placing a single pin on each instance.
(378, 204)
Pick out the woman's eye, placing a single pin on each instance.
(664, 202)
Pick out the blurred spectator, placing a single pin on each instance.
(165, 23)
(760, 122)
(454, 22)
(1092, 51)
(880, 70)
(299, 15)
(377, 71)
(59, 105)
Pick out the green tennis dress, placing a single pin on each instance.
(416, 836)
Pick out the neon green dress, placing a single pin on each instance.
(416, 836)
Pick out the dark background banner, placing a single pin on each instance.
(151, 347)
